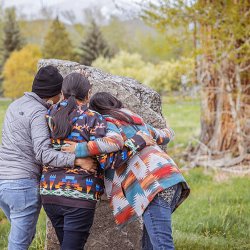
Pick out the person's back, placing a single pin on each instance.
(74, 187)
(17, 155)
(69, 195)
(152, 168)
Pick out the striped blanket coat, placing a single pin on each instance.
(133, 186)
(146, 170)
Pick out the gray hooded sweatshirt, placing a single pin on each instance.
(26, 142)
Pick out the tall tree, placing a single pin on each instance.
(57, 43)
(11, 38)
(222, 33)
(93, 46)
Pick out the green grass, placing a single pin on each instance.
(184, 117)
(216, 216)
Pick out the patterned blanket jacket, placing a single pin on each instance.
(139, 172)
(76, 187)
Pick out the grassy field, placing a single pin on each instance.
(184, 118)
(217, 214)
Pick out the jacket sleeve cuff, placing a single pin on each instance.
(135, 143)
(81, 150)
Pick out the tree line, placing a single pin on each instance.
(57, 44)
(118, 43)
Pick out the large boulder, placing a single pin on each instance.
(137, 97)
(140, 99)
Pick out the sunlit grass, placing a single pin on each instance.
(216, 216)
(184, 117)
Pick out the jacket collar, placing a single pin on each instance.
(32, 95)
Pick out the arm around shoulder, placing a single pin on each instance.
(111, 142)
(42, 145)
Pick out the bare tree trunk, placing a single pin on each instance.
(225, 103)
(224, 138)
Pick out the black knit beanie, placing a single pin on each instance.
(47, 82)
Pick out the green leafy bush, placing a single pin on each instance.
(164, 76)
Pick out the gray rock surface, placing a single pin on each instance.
(137, 97)
(140, 99)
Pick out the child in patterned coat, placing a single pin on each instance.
(69, 195)
(150, 184)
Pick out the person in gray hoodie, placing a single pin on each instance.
(25, 148)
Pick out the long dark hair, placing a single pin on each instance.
(75, 86)
(106, 104)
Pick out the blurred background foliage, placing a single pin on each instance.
(164, 76)
(19, 71)
(124, 46)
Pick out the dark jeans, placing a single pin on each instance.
(71, 224)
(157, 228)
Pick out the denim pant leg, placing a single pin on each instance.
(72, 225)
(56, 216)
(157, 230)
(146, 243)
(77, 224)
(23, 200)
(157, 221)
(4, 207)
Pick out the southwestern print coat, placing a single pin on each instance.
(134, 185)
(70, 186)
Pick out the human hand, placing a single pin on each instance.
(147, 138)
(69, 147)
(89, 164)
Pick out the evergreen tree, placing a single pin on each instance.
(12, 39)
(93, 46)
(57, 43)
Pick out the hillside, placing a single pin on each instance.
(126, 35)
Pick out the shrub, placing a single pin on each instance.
(19, 71)
(165, 76)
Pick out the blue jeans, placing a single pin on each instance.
(157, 228)
(71, 224)
(20, 201)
